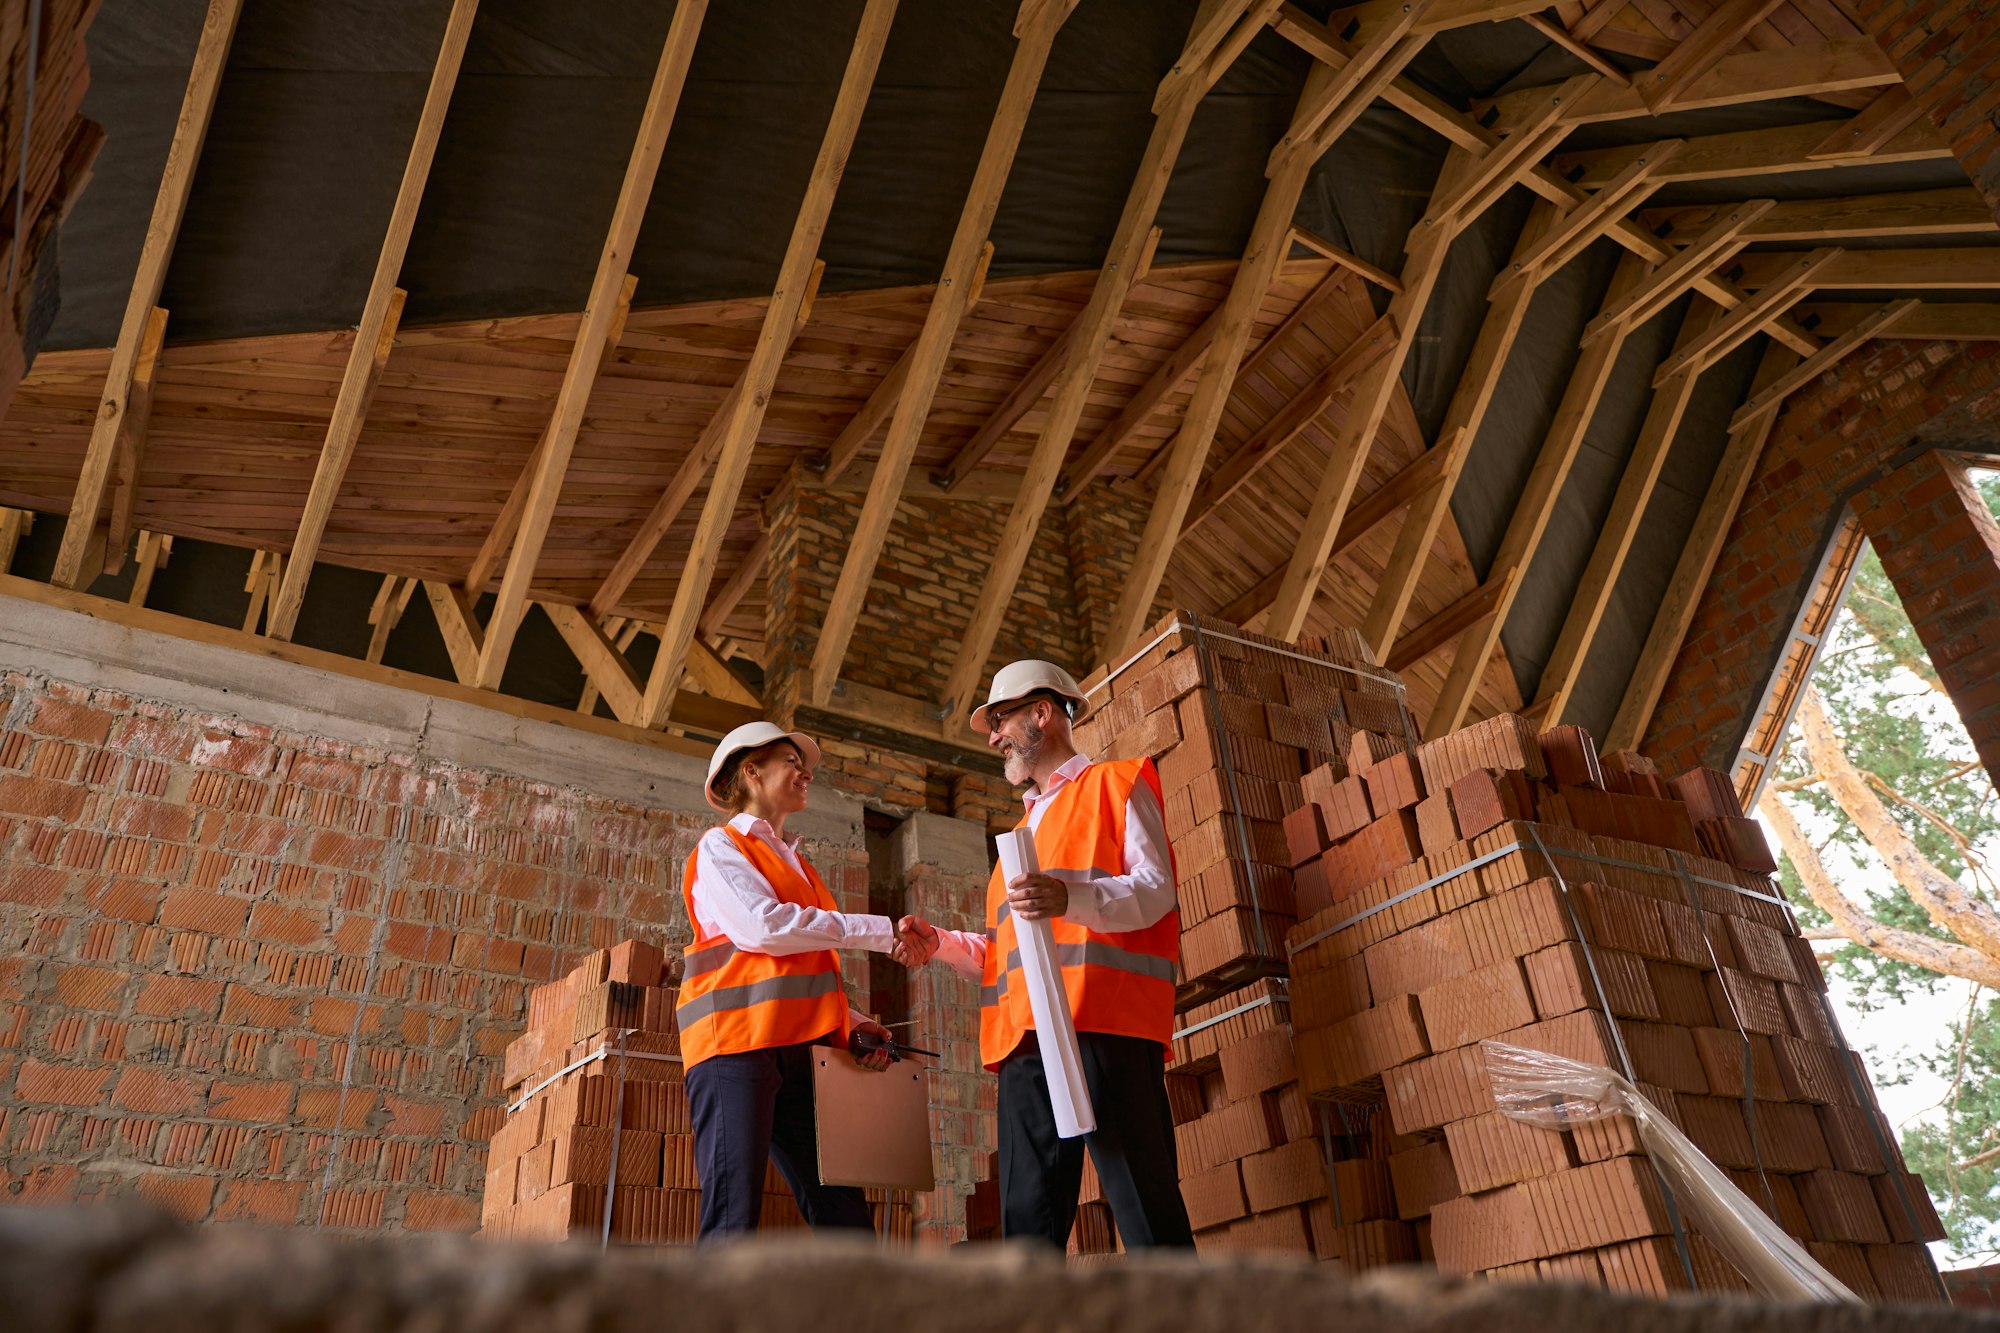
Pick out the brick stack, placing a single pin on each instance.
(552, 1161)
(1501, 884)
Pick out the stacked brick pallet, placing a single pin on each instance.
(594, 1090)
(1501, 884)
(1234, 721)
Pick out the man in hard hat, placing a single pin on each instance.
(1107, 890)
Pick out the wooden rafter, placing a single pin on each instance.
(1290, 421)
(1621, 524)
(1829, 356)
(1452, 622)
(604, 665)
(1954, 321)
(129, 453)
(391, 600)
(1716, 246)
(500, 537)
(1498, 169)
(739, 438)
(1583, 51)
(733, 589)
(1747, 436)
(458, 624)
(1906, 213)
(1088, 335)
(381, 312)
(1892, 112)
(1730, 332)
(267, 568)
(694, 468)
(1744, 153)
(600, 308)
(14, 525)
(1954, 268)
(1347, 259)
(218, 26)
(928, 356)
(1462, 420)
(1728, 24)
(1370, 401)
(1586, 222)
(1163, 382)
(1420, 104)
(153, 551)
(1533, 510)
(1333, 104)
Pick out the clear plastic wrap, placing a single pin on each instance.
(1553, 1092)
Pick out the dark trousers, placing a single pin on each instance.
(1133, 1145)
(749, 1108)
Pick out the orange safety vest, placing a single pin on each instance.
(1119, 982)
(735, 999)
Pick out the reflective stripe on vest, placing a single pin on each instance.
(734, 999)
(1118, 982)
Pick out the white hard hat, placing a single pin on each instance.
(751, 736)
(1017, 680)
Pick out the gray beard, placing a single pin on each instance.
(1019, 766)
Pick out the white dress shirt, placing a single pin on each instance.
(1098, 901)
(733, 899)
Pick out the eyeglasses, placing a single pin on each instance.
(997, 718)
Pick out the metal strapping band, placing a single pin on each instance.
(1228, 1014)
(591, 1059)
(1624, 1055)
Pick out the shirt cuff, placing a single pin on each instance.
(865, 931)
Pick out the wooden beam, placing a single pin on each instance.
(1838, 65)
(600, 309)
(1584, 223)
(1088, 336)
(711, 674)
(622, 633)
(1450, 623)
(1439, 17)
(1290, 420)
(1621, 524)
(458, 624)
(1713, 38)
(1162, 383)
(1908, 213)
(1462, 422)
(1536, 505)
(129, 454)
(1412, 99)
(604, 666)
(266, 569)
(1347, 259)
(1829, 356)
(1583, 51)
(218, 26)
(1211, 28)
(1022, 399)
(1727, 334)
(930, 353)
(1783, 149)
(739, 440)
(733, 589)
(1717, 245)
(1356, 437)
(1966, 268)
(500, 537)
(391, 600)
(1747, 436)
(687, 478)
(154, 550)
(1362, 518)
(1949, 322)
(14, 525)
(381, 312)
(1337, 102)
(1500, 167)
(1892, 112)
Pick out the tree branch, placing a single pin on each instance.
(1879, 621)
(1943, 898)
(1946, 957)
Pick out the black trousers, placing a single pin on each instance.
(1133, 1145)
(749, 1108)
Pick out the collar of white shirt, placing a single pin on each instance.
(745, 822)
(1071, 770)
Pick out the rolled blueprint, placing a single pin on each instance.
(1055, 1033)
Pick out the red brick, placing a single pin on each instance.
(188, 1198)
(61, 1085)
(268, 1103)
(41, 798)
(158, 1093)
(91, 988)
(274, 1202)
(193, 909)
(180, 997)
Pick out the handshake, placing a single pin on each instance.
(916, 942)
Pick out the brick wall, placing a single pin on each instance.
(1940, 547)
(1948, 52)
(260, 963)
(1843, 431)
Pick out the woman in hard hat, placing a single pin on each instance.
(762, 988)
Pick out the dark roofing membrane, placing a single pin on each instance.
(320, 97)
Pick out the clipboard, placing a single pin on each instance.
(874, 1129)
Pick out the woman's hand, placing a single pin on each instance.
(916, 942)
(876, 1059)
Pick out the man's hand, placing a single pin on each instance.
(876, 1059)
(916, 942)
(1033, 897)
